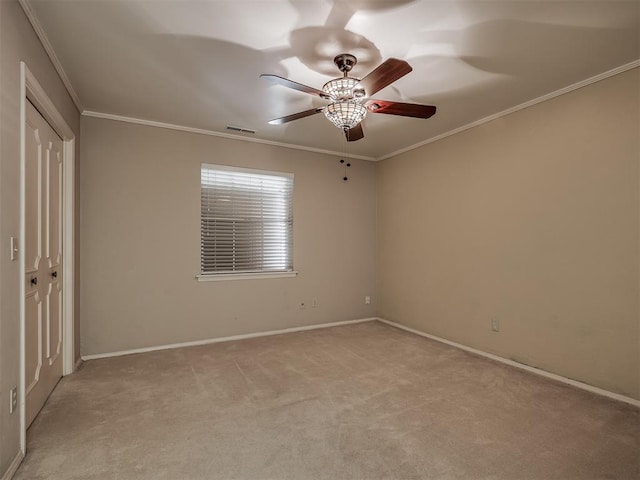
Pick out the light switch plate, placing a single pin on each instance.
(14, 249)
(13, 400)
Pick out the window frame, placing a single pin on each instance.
(244, 275)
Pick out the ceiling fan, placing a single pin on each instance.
(350, 97)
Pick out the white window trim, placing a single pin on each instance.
(231, 168)
(217, 277)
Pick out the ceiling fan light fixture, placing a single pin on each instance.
(345, 114)
(342, 88)
(351, 97)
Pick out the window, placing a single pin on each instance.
(246, 224)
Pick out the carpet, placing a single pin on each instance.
(362, 401)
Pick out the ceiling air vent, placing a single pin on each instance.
(240, 129)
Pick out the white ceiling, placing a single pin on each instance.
(197, 63)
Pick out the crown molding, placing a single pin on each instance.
(213, 133)
(530, 103)
(31, 16)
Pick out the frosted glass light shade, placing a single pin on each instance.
(345, 114)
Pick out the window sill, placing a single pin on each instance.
(218, 277)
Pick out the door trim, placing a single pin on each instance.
(31, 90)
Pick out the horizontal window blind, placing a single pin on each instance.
(246, 221)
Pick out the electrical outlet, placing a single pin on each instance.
(315, 303)
(495, 325)
(13, 399)
(367, 300)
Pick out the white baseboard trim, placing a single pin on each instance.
(76, 365)
(13, 468)
(227, 339)
(522, 366)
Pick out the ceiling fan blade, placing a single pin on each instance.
(294, 116)
(385, 74)
(397, 108)
(355, 133)
(285, 82)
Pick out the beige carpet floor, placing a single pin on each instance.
(364, 401)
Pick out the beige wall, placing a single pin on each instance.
(140, 221)
(531, 219)
(17, 42)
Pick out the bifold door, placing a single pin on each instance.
(43, 261)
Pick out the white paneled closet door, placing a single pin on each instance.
(43, 261)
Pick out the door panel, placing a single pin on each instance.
(43, 261)
(54, 207)
(54, 346)
(53, 241)
(33, 319)
(33, 194)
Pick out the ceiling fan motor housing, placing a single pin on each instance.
(345, 62)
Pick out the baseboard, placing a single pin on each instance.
(227, 339)
(537, 371)
(13, 468)
(76, 365)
